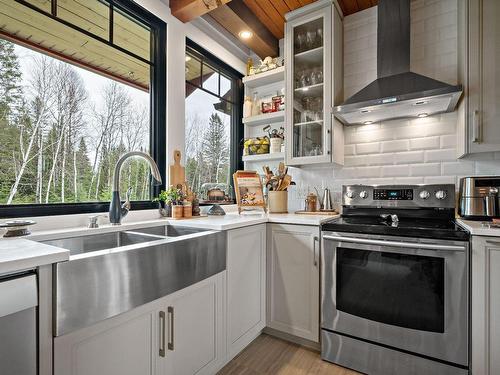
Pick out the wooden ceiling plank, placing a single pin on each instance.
(188, 10)
(234, 18)
(349, 6)
(364, 4)
(293, 4)
(281, 7)
(277, 31)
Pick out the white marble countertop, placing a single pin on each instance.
(24, 253)
(17, 254)
(479, 228)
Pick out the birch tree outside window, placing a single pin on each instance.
(75, 94)
(213, 103)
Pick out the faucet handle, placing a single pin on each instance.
(93, 221)
(127, 205)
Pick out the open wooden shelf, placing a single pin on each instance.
(265, 118)
(264, 157)
(265, 78)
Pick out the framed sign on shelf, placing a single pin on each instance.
(248, 190)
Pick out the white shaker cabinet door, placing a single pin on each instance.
(125, 345)
(293, 280)
(485, 305)
(195, 328)
(246, 286)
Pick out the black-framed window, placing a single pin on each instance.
(60, 161)
(214, 100)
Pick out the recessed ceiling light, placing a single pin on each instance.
(368, 122)
(245, 34)
(422, 115)
(188, 58)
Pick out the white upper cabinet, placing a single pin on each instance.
(313, 80)
(479, 129)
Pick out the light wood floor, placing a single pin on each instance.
(270, 355)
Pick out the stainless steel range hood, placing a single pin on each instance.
(397, 92)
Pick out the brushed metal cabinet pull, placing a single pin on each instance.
(476, 130)
(162, 334)
(314, 251)
(170, 311)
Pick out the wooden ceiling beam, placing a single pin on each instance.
(188, 10)
(236, 17)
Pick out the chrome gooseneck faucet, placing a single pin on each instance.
(117, 211)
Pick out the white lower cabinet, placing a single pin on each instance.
(485, 305)
(293, 280)
(182, 333)
(246, 286)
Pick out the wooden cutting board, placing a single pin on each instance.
(177, 173)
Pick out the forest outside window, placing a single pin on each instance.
(213, 122)
(79, 83)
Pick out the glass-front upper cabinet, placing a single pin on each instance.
(309, 84)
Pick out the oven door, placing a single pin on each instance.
(408, 294)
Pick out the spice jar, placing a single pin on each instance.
(188, 210)
(312, 202)
(177, 211)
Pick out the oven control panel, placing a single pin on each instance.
(392, 194)
(402, 196)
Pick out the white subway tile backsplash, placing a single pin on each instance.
(440, 155)
(397, 145)
(367, 148)
(396, 170)
(349, 150)
(448, 141)
(364, 172)
(428, 169)
(424, 143)
(440, 180)
(461, 167)
(409, 157)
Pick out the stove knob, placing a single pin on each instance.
(350, 194)
(424, 194)
(363, 194)
(440, 194)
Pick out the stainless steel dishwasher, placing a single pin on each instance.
(18, 324)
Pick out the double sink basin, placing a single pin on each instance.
(111, 273)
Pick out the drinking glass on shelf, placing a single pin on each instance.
(316, 76)
(310, 39)
(301, 40)
(305, 79)
(319, 36)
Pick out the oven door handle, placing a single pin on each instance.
(407, 245)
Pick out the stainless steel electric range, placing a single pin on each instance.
(395, 282)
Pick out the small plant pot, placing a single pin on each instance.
(278, 202)
(165, 209)
(177, 211)
(188, 211)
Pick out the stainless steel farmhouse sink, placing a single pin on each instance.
(111, 273)
(85, 244)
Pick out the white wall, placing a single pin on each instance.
(399, 151)
(176, 46)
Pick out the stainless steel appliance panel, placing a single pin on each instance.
(94, 288)
(18, 325)
(479, 197)
(450, 345)
(378, 360)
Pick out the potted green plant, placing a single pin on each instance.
(168, 198)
